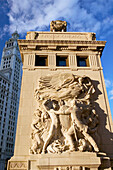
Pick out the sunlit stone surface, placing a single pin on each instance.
(64, 120)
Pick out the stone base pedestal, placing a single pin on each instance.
(64, 161)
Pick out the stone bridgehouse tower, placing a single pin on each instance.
(64, 120)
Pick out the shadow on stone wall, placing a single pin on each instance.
(104, 136)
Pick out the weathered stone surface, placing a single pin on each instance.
(64, 120)
(58, 26)
(65, 117)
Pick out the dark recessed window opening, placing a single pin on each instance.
(41, 60)
(62, 61)
(82, 61)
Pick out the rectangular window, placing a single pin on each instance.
(82, 61)
(62, 61)
(41, 60)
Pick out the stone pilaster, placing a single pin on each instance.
(93, 62)
(73, 61)
(52, 61)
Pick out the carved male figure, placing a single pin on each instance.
(77, 109)
(67, 98)
(50, 107)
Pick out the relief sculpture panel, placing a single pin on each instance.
(65, 119)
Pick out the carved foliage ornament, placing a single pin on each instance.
(65, 118)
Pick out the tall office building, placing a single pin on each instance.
(10, 83)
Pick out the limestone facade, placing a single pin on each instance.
(63, 99)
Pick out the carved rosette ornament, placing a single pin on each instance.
(65, 119)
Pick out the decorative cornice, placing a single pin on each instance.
(61, 42)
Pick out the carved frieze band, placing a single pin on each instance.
(69, 168)
(62, 42)
(17, 165)
(81, 36)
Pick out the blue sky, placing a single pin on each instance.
(81, 15)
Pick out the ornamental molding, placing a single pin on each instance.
(60, 42)
(18, 165)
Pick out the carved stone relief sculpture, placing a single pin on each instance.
(66, 117)
(58, 26)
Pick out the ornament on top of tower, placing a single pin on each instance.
(15, 35)
(58, 26)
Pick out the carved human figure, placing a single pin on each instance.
(50, 107)
(54, 109)
(35, 135)
(69, 98)
(77, 109)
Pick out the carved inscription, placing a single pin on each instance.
(66, 117)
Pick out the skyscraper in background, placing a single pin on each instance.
(10, 84)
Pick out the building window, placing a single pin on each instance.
(62, 61)
(82, 61)
(41, 60)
